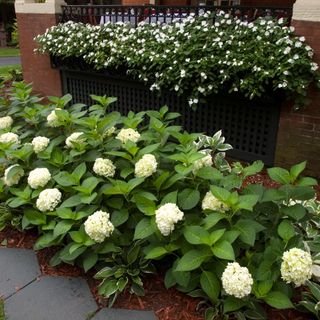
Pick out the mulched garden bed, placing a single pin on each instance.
(167, 304)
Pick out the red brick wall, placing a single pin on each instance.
(36, 67)
(299, 132)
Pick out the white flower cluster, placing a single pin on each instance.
(39, 177)
(206, 161)
(76, 137)
(236, 280)
(9, 137)
(167, 216)
(146, 166)
(5, 122)
(128, 135)
(48, 199)
(109, 132)
(210, 202)
(39, 143)
(296, 266)
(15, 178)
(52, 118)
(104, 167)
(98, 226)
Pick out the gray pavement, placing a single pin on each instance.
(28, 295)
(5, 61)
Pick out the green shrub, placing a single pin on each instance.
(122, 194)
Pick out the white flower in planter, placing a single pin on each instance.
(128, 135)
(104, 167)
(76, 137)
(296, 266)
(52, 118)
(14, 179)
(206, 161)
(236, 280)
(9, 137)
(40, 143)
(48, 199)
(210, 202)
(39, 177)
(167, 216)
(6, 122)
(146, 166)
(98, 226)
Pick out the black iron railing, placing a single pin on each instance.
(100, 14)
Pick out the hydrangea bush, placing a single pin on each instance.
(198, 57)
(121, 194)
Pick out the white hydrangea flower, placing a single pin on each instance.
(40, 143)
(9, 137)
(39, 177)
(167, 216)
(98, 226)
(210, 202)
(52, 118)
(104, 167)
(6, 122)
(109, 132)
(206, 161)
(296, 266)
(48, 199)
(236, 280)
(75, 137)
(128, 135)
(146, 166)
(15, 179)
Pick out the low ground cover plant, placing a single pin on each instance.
(129, 195)
(196, 57)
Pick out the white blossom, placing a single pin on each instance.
(52, 118)
(76, 137)
(206, 161)
(236, 280)
(104, 167)
(210, 202)
(128, 135)
(48, 199)
(98, 226)
(167, 216)
(296, 266)
(39, 143)
(146, 166)
(39, 177)
(13, 179)
(6, 122)
(9, 137)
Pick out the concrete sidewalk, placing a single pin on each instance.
(28, 295)
(6, 61)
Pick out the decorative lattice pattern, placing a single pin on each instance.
(250, 126)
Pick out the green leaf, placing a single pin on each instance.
(14, 171)
(46, 240)
(79, 171)
(170, 198)
(65, 179)
(296, 170)
(107, 288)
(231, 304)
(212, 219)
(210, 285)
(247, 202)
(216, 235)
(254, 168)
(196, 235)
(169, 279)
(286, 230)
(279, 300)
(248, 230)
(280, 175)
(209, 173)
(223, 250)
(192, 260)
(145, 205)
(156, 252)
(62, 227)
(296, 212)
(144, 229)
(220, 193)
(35, 217)
(148, 149)
(73, 201)
(88, 185)
(307, 181)
(188, 198)
(89, 261)
(65, 213)
(315, 289)
(119, 217)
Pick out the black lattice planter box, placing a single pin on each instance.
(250, 126)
